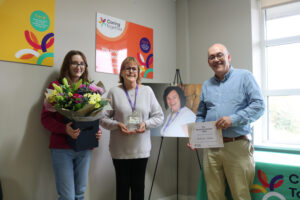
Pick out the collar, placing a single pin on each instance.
(226, 76)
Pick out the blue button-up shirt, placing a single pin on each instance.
(237, 96)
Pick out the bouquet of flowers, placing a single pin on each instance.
(80, 103)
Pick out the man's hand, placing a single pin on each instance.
(71, 132)
(224, 123)
(189, 146)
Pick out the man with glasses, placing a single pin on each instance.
(233, 99)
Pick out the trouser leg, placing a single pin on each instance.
(137, 181)
(81, 171)
(214, 173)
(239, 167)
(122, 169)
(62, 161)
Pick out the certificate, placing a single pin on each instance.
(205, 135)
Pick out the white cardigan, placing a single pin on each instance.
(131, 146)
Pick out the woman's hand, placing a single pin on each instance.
(142, 128)
(71, 132)
(98, 134)
(124, 129)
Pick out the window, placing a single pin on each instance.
(281, 82)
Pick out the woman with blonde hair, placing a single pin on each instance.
(135, 111)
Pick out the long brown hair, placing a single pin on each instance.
(65, 67)
(124, 64)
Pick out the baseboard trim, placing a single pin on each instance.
(180, 197)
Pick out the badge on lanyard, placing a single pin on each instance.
(133, 121)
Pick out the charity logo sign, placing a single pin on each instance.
(268, 188)
(111, 27)
(117, 39)
(278, 184)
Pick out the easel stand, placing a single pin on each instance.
(177, 79)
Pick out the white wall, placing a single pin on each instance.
(25, 163)
(183, 39)
(215, 21)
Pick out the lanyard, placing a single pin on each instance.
(168, 122)
(130, 102)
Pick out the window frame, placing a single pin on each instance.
(261, 128)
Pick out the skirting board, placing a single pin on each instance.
(180, 197)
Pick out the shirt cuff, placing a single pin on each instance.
(234, 120)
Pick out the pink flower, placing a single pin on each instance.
(77, 97)
(95, 88)
(81, 86)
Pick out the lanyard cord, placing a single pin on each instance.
(129, 100)
(170, 118)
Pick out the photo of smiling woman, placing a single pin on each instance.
(179, 114)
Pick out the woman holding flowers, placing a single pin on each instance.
(135, 111)
(70, 167)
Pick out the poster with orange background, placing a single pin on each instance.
(27, 31)
(116, 39)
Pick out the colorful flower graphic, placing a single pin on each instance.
(275, 182)
(102, 21)
(40, 22)
(145, 64)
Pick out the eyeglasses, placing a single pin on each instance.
(218, 56)
(131, 68)
(75, 64)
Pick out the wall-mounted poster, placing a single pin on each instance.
(179, 104)
(27, 31)
(116, 39)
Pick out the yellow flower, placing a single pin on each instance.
(98, 97)
(70, 94)
(57, 88)
(65, 82)
(51, 97)
(87, 95)
(59, 98)
(94, 98)
(91, 101)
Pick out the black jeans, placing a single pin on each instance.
(130, 176)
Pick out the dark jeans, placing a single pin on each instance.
(130, 176)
